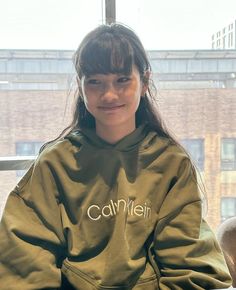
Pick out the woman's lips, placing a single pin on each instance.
(110, 108)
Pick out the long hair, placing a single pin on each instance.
(115, 48)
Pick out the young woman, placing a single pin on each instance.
(114, 202)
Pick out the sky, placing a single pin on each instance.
(161, 24)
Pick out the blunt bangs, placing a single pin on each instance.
(106, 54)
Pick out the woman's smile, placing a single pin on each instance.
(110, 108)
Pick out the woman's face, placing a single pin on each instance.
(113, 100)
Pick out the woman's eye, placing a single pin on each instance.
(93, 82)
(123, 79)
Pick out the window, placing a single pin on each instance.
(65, 66)
(177, 65)
(31, 66)
(231, 39)
(209, 65)
(223, 42)
(228, 154)
(228, 207)
(194, 65)
(160, 66)
(2, 66)
(195, 148)
(27, 149)
(34, 86)
(225, 65)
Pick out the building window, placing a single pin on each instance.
(27, 149)
(228, 207)
(195, 148)
(231, 39)
(3, 66)
(223, 40)
(228, 154)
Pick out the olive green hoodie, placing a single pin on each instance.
(102, 216)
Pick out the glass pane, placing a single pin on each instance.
(228, 207)
(209, 65)
(2, 67)
(24, 149)
(194, 65)
(160, 66)
(177, 66)
(228, 150)
(225, 65)
(49, 66)
(196, 150)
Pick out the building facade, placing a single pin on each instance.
(225, 38)
(196, 96)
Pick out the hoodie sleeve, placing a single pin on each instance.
(31, 235)
(186, 249)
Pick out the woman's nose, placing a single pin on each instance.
(109, 93)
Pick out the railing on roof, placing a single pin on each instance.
(15, 162)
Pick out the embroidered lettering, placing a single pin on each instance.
(94, 216)
(96, 212)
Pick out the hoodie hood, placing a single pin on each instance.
(89, 138)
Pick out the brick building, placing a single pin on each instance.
(196, 97)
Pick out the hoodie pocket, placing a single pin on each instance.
(81, 281)
(78, 279)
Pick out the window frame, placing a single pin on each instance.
(231, 200)
(225, 163)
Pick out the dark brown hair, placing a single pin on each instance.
(108, 49)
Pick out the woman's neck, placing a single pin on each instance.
(113, 134)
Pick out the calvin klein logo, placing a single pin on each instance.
(96, 212)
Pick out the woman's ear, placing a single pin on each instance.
(145, 84)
